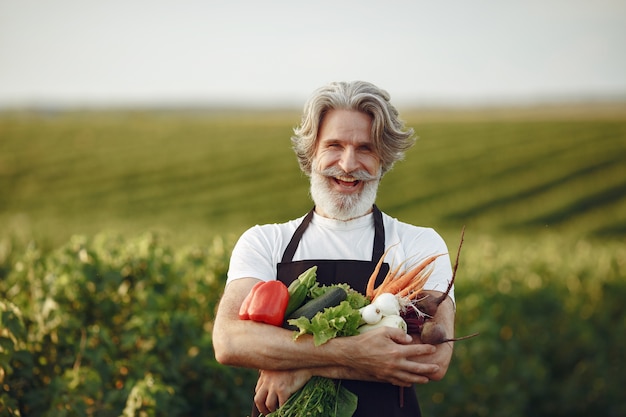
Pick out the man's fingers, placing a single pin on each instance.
(260, 404)
(266, 403)
(263, 401)
(282, 400)
(271, 402)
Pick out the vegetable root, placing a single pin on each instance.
(420, 316)
(434, 334)
(371, 283)
(429, 304)
(418, 308)
(413, 280)
(406, 284)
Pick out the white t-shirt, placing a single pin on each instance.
(260, 248)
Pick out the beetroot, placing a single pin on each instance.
(434, 334)
(419, 316)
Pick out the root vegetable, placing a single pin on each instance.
(371, 314)
(392, 274)
(434, 333)
(420, 318)
(408, 282)
(429, 304)
(415, 287)
(412, 277)
(387, 303)
(388, 321)
(371, 282)
(418, 308)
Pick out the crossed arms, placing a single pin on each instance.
(383, 355)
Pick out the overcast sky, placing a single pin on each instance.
(86, 52)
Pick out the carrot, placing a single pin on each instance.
(369, 290)
(390, 277)
(425, 308)
(415, 287)
(405, 279)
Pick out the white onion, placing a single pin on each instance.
(388, 304)
(371, 314)
(389, 321)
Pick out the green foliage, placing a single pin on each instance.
(114, 326)
(12, 350)
(119, 323)
(110, 327)
(82, 173)
(336, 321)
(551, 329)
(319, 397)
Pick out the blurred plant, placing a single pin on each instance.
(114, 326)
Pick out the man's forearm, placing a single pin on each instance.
(380, 355)
(443, 354)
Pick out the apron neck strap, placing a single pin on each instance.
(379, 236)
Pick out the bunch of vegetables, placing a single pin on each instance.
(338, 310)
(309, 308)
(385, 310)
(403, 291)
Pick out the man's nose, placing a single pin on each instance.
(348, 161)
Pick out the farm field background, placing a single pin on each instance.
(125, 220)
(195, 175)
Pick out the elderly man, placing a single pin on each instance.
(349, 137)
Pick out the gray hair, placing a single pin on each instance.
(390, 137)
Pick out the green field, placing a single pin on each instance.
(100, 316)
(205, 173)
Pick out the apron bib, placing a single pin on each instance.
(376, 399)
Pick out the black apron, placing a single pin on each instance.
(375, 399)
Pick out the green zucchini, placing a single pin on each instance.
(297, 295)
(330, 298)
(299, 289)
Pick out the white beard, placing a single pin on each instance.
(343, 206)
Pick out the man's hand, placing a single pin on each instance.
(275, 387)
(443, 354)
(385, 355)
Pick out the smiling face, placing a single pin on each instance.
(346, 169)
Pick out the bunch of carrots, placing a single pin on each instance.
(408, 287)
(406, 284)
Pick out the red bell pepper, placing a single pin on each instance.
(266, 303)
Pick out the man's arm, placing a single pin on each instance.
(382, 355)
(274, 387)
(443, 355)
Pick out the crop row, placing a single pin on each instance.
(80, 173)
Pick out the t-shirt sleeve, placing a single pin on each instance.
(252, 257)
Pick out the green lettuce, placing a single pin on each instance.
(341, 320)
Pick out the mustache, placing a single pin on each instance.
(360, 175)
